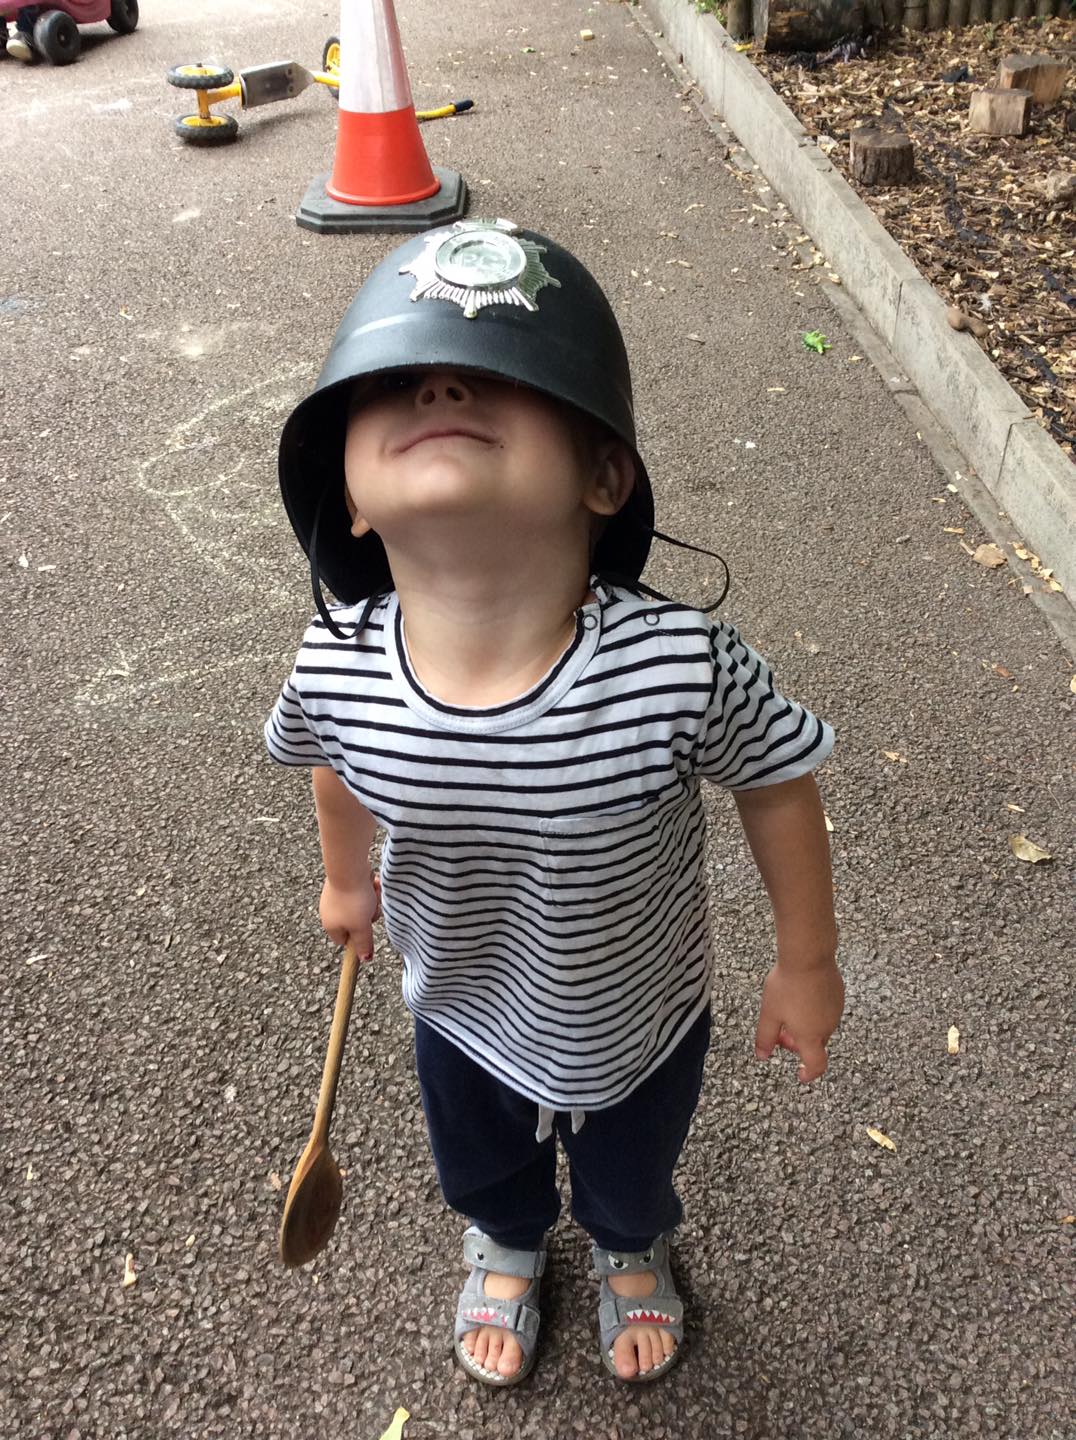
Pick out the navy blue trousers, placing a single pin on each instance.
(493, 1170)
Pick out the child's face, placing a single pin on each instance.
(430, 447)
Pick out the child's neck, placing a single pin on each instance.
(477, 639)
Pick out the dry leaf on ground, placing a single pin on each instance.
(990, 556)
(880, 1139)
(1025, 849)
(953, 1041)
(129, 1276)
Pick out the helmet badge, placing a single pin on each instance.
(476, 263)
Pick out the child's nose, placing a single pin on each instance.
(442, 385)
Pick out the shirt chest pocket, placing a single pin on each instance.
(617, 864)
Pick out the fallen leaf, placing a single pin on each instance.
(697, 338)
(1010, 806)
(29, 1172)
(954, 1040)
(1068, 1219)
(395, 1430)
(990, 556)
(895, 756)
(1021, 553)
(189, 1241)
(1025, 849)
(1000, 670)
(880, 1139)
(953, 529)
(275, 1180)
(129, 1276)
(780, 390)
(1072, 684)
(829, 822)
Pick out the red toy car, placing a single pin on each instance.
(55, 27)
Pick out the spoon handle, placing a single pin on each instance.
(345, 993)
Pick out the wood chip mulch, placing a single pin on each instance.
(975, 220)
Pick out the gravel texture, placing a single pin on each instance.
(167, 991)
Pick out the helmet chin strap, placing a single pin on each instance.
(319, 596)
(642, 589)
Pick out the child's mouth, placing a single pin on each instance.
(445, 434)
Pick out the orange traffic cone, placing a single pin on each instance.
(381, 178)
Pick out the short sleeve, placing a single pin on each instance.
(289, 736)
(752, 735)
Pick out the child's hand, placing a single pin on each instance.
(350, 914)
(800, 1010)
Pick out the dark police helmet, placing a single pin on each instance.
(477, 295)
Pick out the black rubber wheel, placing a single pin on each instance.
(197, 130)
(124, 16)
(56, 37)
(199, 76)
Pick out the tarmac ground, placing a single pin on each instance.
(167, 991)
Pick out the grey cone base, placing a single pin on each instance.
(319, 211)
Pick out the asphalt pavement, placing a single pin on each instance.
(167, 990)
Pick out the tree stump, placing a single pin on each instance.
(805, 24)
(1043, 76)
(915, 16)
(977, 12)
(958, 14)
(1000, 11)
(1000, 112)
(881, 157)
(937, 14)
(738, 18)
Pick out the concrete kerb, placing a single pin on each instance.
(1025, 471)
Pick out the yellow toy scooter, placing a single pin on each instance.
(261, 85)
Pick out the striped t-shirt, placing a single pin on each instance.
(542, 874)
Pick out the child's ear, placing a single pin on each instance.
(612, 479)
(359, 526)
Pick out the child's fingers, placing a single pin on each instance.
(766, 1036)
(813, 1060)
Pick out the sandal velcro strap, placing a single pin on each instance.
(617, 1312)
(479, 1250)
(475, 1311)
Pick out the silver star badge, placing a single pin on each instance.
(476, 263)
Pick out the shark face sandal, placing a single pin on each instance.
(520, 1317)
(662, 1309)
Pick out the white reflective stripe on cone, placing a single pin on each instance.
(373, 76)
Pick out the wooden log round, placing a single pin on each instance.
(937, 14)
(1000, 112)
(977, 11)
(1044, 8)
(915, 16)
(1043, 75)
(1022, 9)
(1000, 10)
(958, 14)
(880, 156)
(894, 13)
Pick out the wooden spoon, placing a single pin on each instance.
(316, 1189)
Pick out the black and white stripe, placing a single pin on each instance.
(543, 871)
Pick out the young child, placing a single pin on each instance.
(530, 731)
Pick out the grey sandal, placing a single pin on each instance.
(663, 1308)
(520, 1316)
